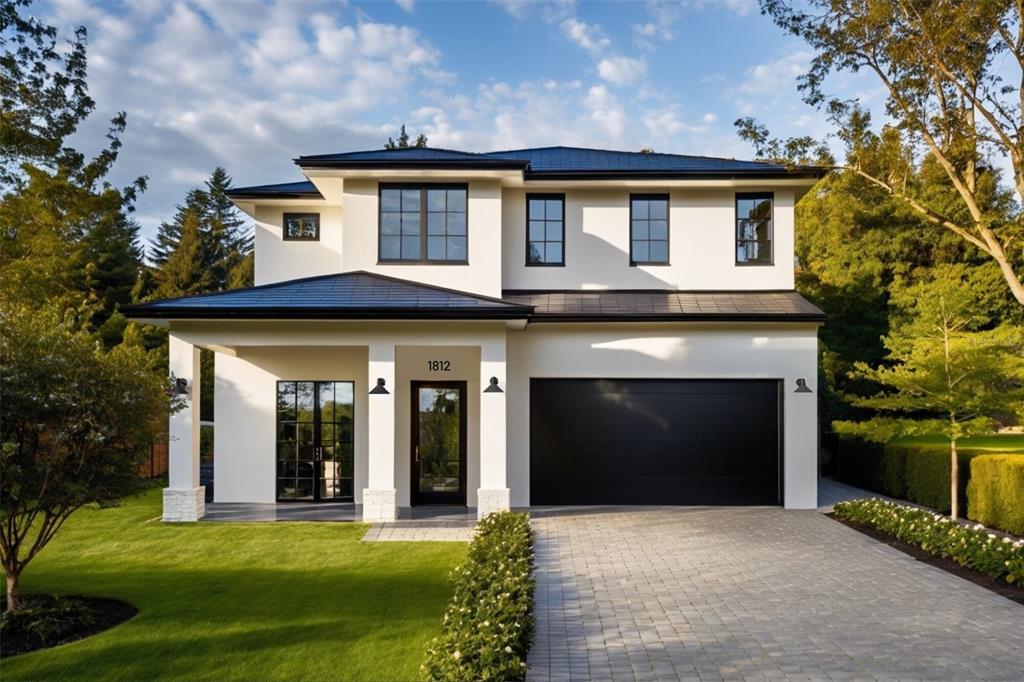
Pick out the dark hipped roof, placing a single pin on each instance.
(561, 163)
(660, 306)
(345, 296)
(413, 157)
(369, 296)
(285, 190)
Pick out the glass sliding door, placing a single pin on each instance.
(315, 450)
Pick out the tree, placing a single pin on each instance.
(43, 93)
(83, 444)
(945, 371)
(944, 68)
(185, 271)
(403, 141)
(65, 232)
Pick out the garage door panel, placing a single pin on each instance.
(598, 441)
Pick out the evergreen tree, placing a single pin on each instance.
(185, 272)
(403, 140)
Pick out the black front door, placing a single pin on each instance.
(438, 442)
(314, 441)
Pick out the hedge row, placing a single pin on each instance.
(488, 626)
(971, 546)
(917, 473)
(996, 492)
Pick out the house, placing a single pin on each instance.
(552, 326)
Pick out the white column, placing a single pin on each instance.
(184, 498)
(379, 499)
(493, 494)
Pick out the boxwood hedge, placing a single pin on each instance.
(996, 492)
(488, 625)
(973, 546)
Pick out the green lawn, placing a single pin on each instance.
(1005, 443)
(256, 601)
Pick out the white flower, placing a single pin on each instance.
(456, 655)
(508, 650)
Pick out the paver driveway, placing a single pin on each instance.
(674, 593)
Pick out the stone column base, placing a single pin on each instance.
(184, 505)
(489, 501)
(379, 505)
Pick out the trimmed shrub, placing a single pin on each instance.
(927, 473)
(971, 546)
(488, 625)
(996, 492)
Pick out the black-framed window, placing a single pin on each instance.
(301, 227)
(423, 224)
(545, 229)
(754, 226)
(648, 229)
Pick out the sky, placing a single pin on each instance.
(251, 85)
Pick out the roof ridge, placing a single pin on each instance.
(386, 150)
(627, 151)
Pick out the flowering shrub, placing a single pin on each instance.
(971, 546)
(489, 622)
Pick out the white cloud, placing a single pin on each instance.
(710, 117)
(621, 70)
(407, 5)
(778, 76)
(588, 36)
(606, 111)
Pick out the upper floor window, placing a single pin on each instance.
(423, 224)
(301, 227)
(754, 229)
(545, 229)
(648, 220)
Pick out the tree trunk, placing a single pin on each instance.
(12, 592)
(954, 479)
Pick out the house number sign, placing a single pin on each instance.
(439, 365)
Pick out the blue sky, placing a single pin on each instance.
(250, 85)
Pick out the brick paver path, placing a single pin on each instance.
(732, 593)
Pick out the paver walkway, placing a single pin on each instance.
(754, 592)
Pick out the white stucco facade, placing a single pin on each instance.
(490, 361)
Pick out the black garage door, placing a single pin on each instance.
(654, 441)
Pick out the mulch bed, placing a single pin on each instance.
(1011, 592)
(106, 613)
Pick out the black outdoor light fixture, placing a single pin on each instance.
(379, 388)
(801, 386)
(494, 387)
(180, 387)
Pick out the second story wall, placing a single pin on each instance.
(702, 243)
(278, 260)
(480, 275)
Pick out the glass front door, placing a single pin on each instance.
(439, 443)
(314, 441)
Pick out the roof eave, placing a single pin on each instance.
(188, 313)
(681, 317)
(674, 175)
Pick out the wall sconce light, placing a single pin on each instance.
(801, 386)
(494, 387)
(379, 388)
(180, 387)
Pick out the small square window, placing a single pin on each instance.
(301, 226)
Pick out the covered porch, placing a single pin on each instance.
(351, 389)
(378, 421)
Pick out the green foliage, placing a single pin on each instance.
(43, 93)
(945, 373)
(403, 140)
(916, 472)
(970, 546)
(47, 619)
(995, 495)
(489, 622)
(65, 231)
(76, 425)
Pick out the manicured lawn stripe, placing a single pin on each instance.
(223, 601)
